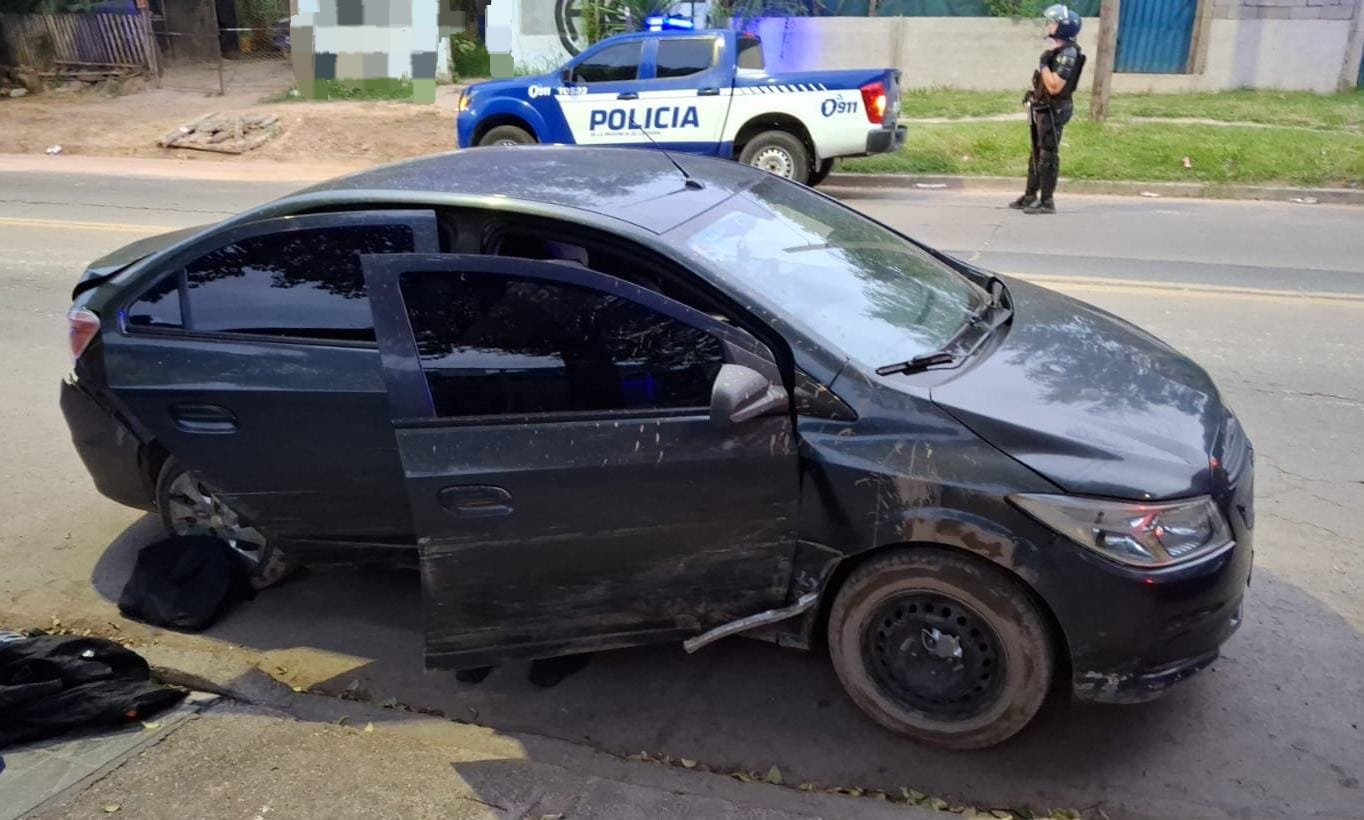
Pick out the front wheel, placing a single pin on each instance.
(507, 135)
(780, 153)
(941, 648)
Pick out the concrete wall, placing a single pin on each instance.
(1249, 45)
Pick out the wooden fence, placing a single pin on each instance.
(82, 42)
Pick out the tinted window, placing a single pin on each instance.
(493, 345)
(304, 283)
(618, 62)
(685, 56)
(159, 306)
(750, 53)
(875, 295)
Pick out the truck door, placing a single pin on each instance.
(687, 87)
(601, 99)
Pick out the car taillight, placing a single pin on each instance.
(874, 100)
(82, 325)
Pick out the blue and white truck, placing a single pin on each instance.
(700, 92)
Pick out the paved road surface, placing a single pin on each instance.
(1269, 297)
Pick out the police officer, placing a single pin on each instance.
(1050, 108)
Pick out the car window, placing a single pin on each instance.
(611, 64)
(684, 56)
(159, 306)
(496, 345)
(751, 53)
(298, 283)
(875, 295)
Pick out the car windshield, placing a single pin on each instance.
(859, 286)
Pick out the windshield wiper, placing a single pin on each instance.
(974, 318)
(917, 364)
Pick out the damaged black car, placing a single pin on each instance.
(603, 398)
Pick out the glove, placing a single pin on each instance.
(1044, 59)
(1027, 97)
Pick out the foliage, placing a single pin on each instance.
(468, 56)
(741, 15)
(48, 6)
(1017, 8)
(258, 13)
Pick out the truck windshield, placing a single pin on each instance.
(875, 295)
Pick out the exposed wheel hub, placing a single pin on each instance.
(776, 161)
(196, 510)
(934, 655)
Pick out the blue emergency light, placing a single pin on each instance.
(668, 22)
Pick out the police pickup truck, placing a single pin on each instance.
(700, 92)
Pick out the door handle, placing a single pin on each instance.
(628, 95)
(708, 92)
(475, 501)
(203, 418)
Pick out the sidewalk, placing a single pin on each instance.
(320, 758)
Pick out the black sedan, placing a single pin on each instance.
(602, 399)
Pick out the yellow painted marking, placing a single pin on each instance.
(75, 225)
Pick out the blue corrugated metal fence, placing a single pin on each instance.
(1154, 36)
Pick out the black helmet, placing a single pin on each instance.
(1067, 22)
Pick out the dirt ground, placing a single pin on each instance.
(93, 121)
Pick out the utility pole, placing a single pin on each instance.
(1108, 47)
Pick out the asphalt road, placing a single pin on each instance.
(1268, 297)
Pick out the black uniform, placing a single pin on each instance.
(1049, 116)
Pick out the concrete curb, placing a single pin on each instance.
(906, 183)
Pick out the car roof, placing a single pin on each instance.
(637, 185)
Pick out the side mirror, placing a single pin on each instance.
(566, 76)
(742, 393)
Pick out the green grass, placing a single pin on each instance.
(1134, 151)
(1344, 110)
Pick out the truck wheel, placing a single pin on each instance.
(821, 173)
(507, 135)
(941, 648)
(778, 152)
(188, 506)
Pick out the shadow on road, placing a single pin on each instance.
(1271, 729)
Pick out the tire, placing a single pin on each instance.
(507, 135)
(821, 173)
(779, 152)
(268, 564)
(892, 643)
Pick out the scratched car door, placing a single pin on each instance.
(569, 489)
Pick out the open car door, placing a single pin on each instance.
(589, 464)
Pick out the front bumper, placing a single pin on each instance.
(886, 140)
(112, 454)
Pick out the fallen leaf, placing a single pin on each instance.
(688, 764)
(1188, 163)
(850, 791)
(283, 670)
(937, 804)
(807, 787)
(353, 685)
(369, 727)
(774, 776)
(111, 808)
(744, 777)
(298, 688)
(343, 720)
(151, 725)
(1001, 814)
(640, 756)
(878, 794)
(912, 795)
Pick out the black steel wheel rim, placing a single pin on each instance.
(933, 654)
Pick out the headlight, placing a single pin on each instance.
(463, 101)
(1154, 534)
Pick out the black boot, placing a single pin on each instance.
(1041, 206)
(1022, 202)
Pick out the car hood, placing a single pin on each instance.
(1091, 402)
(511, 84)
